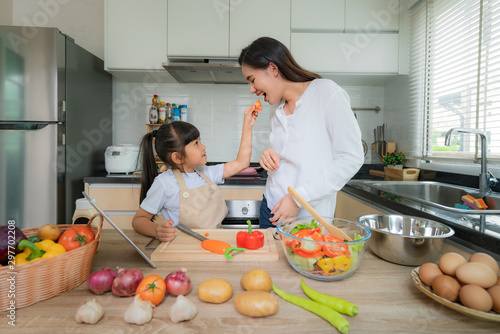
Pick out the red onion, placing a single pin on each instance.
(100, 281)
(178, 282)
(127, 281)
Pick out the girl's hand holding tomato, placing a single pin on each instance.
(76, 236)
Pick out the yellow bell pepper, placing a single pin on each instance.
(21, 258)
(326, 265)
(53, 250)
(341, 262)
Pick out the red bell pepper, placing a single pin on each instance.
(250, 240)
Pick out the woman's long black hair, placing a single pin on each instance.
(264, 50)
(169, 138)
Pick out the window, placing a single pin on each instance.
(455, 77)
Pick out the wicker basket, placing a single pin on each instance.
(47, 278)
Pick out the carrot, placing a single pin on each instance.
(215, 246)
(258, 105)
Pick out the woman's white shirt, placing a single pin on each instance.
(319, 146)
(164, 192)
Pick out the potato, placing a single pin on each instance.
(215, 290)
(256, 303)
(256, 280)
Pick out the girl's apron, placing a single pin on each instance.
(202, 207)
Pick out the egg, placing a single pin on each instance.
(476, 273)
(475, 297)
(449, 262)
(428, 271)
(494, 292)
(485, 259)
(446, 286)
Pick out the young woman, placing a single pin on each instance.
(186, 192)
(315, 141)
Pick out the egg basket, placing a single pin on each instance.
(29, 283)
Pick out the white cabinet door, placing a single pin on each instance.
(251, 19)
(346, 53)
(198, 28)
(372, 15)
(136, 34)
(318, 14)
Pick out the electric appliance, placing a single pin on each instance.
(55, 124)
(121, 158)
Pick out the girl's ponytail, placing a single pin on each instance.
(149, 169)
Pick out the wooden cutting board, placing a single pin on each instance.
(188, 248)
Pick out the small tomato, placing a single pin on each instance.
(76, 236)
(152, 288)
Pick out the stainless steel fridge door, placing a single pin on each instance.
(31, 173)
(32, 74)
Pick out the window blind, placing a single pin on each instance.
(455, 76)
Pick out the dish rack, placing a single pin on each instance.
(30, 283)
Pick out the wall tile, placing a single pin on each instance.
(217, 111)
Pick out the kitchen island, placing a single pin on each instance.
(387, 299)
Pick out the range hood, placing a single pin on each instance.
(206, 71)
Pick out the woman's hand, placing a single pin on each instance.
(165, 230)
(286, 208)
(269, 160)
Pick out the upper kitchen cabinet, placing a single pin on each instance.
(318, 14)
(350, 36)
(221, 28)
(198, 28)
(372, 15)
(248, 22)
(136, 34)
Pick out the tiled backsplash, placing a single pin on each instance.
(217, 111)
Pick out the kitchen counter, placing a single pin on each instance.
(136, 179)
(387, 299)
(473, 239)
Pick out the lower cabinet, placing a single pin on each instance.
(349, 208)
(121, 201)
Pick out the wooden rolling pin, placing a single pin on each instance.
(335, 231)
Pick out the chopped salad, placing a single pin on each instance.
(320, 258)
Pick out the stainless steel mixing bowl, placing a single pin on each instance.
(405, 240)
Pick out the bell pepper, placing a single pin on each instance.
(20, 258)
(51, 248)
(341, 263)
(35, 252)
(308, 250)
(326, 265)
(250, 240)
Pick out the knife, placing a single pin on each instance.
(384, 143)
(190, 232)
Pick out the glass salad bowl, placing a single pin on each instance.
(314, 253)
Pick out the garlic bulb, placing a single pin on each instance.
(182, 310)
(89, 313)
(139, 312)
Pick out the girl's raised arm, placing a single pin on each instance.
(243, 159)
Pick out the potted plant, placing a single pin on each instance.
(394, 160)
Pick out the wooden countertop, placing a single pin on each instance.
(387, 299)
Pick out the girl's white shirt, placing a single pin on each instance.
(163, 196)
(319, 146)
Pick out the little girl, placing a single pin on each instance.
(186, 192)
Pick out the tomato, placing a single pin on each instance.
(76, 236)
(152, 288)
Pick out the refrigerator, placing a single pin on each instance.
(55, 124)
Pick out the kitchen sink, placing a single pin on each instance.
(436, 194)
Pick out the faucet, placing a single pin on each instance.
(486, 178)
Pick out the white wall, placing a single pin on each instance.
(81, 20)
(6, 7)
(216, 110)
